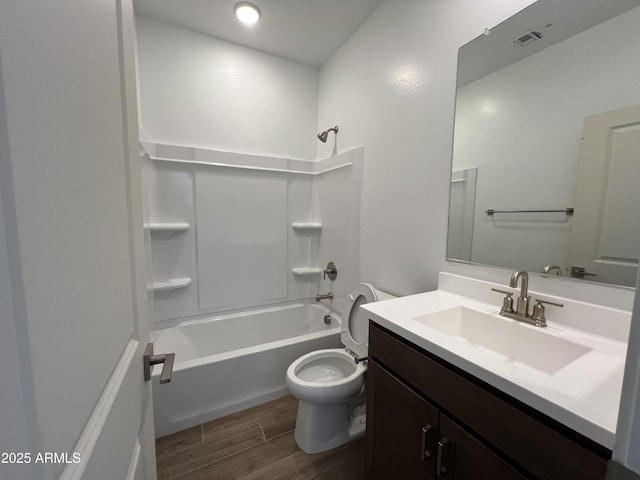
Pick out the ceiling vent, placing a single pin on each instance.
(533, 35)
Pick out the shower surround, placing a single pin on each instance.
(234, 231)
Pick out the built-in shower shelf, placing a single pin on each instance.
(172, 284)
(175, 227)
(309, 227)
(306, 271)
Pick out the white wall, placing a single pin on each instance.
(203, 92)
(522, 127)
(391, 87)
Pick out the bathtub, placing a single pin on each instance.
(228, 363)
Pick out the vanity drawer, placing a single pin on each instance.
(534, 441)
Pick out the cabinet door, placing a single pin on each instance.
(402, 430)
(460, 456)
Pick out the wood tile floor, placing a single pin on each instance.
(253, 444)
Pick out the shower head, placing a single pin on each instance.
(322, 136)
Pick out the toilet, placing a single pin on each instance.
(329, 384)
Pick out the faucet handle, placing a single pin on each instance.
(507, 302)
(331, 271)
(538, 310)
(502, 291)
(547, 302)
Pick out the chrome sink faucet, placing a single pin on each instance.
(522, 305)
(552, 269)
(521, 313)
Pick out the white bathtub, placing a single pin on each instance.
(232, 362)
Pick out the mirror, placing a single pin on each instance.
(527, 191)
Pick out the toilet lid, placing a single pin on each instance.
(355, 332)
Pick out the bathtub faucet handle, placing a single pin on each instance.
(331, 271)
(150, 359)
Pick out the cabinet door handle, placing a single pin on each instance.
(425, 452)
(444, 445)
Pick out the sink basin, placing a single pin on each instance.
(514, 341)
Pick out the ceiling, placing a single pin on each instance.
(305, 31)
(557, 20)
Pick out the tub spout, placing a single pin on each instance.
(324, 296)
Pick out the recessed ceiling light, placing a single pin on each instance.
(247, 12)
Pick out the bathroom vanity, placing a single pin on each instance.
(478, 399)
(428, 419)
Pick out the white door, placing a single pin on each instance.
(605, 234)
(73, 401)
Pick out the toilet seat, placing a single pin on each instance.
(325, 376)
(355, 331)
(337, 375)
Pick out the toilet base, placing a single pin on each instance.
(322, 427)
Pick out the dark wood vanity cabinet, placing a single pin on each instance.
(428, 420)
(413, 439)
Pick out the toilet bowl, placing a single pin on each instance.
(329, 384)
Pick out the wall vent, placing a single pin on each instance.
(532, 35)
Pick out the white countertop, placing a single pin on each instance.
(584, 395)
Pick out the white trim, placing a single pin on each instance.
(348, 164)
(92, 430)
(307, 226)
(243, 161)
(171, 284)
(306, 271)
(248, 167)
(135, 460)
(166, 227)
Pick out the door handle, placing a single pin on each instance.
(150, 359)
